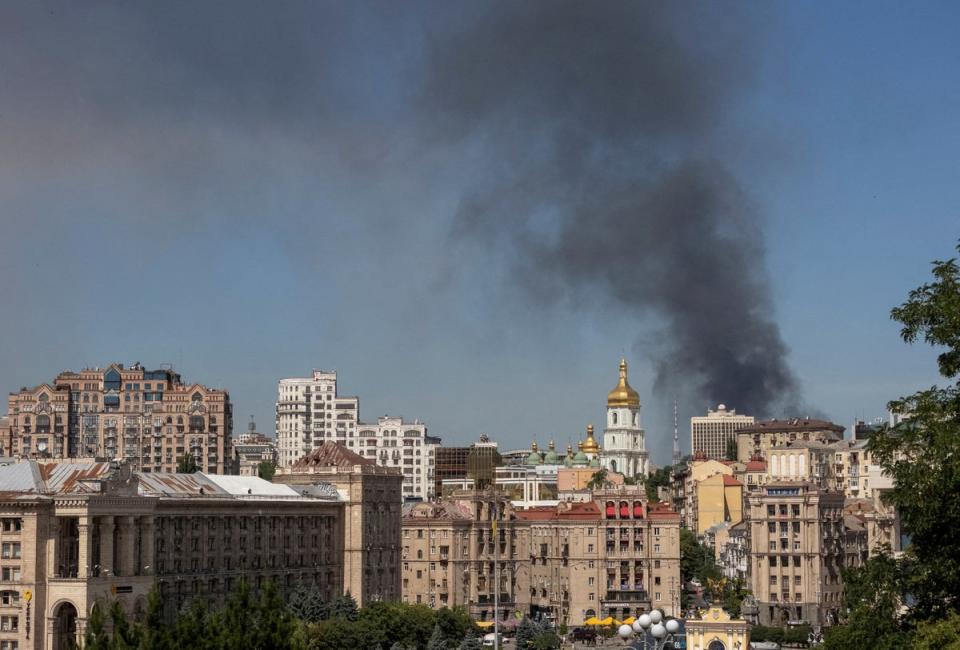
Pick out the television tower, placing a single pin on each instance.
(676, 436)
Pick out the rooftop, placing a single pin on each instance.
(792, 424)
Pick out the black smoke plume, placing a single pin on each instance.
(603, 130)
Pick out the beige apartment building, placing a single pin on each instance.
(798, 546)
(148, 418)
(612, 555)
(754, 441)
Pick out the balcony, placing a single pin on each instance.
(627, 595)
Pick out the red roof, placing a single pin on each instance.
(332, 454)
(573, 511)
(757, 466)
(729, 480)
(661, 510)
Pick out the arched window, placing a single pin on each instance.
(636, 419)
(26, 419)
(44, 397)
(611, 510)
(197, 397)
(613, 417)
(43, 424)
(793, 464)
(774, 465)
(420, 554)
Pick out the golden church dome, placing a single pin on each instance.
(623, 394)
(590, 445)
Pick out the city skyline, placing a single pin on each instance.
(282, 196)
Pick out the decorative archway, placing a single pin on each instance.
(65, 626)
(716, 644)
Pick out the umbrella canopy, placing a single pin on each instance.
(607, 621)
(484, 624)
(629, 620)
(593, 620)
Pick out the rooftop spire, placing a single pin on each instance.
(676, 436)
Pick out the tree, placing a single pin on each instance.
(266, 470)
(95, 637)
(187, 464)
(471, 641)
(696, 559)
(436, 641)
(454, 624)
(938, 635)
(597, 480)
(307, 604)
(526, 633)
(154, 632)
(125, 636)
(731, 451)
(659, 478)
(343, 607)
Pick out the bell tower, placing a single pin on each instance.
(624, 443)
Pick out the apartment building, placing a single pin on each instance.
(798, 547)
(611, 555)
(147, 418)
(310, 412)
(754, 441)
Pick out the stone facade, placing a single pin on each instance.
(611, 555)
(148, 418)
(76, 533)
(710, 434)
(797, 551)
(372, 498)
(754, 441)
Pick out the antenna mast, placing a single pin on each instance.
(676, 436)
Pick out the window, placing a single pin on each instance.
(656, 564)
(656, 580)
(590, 596)
(10, 574)
(9, 623)
(656, 548)
(9, 598)
(590, 581)
(656, 596)
(10, 550)
(589, 548)
(12, 525)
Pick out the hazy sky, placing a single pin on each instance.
(471, 210)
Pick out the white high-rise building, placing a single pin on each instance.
(624, 444)
(310, 412)
(709, 434)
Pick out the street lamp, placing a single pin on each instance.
(662, 631)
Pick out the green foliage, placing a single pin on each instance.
(343, 607)
(436, 641)
(187, 464)
(659, 478)
(262, 621)
(922, 456)
(307, 604)
(765, 633)
(597, 480)
(95, 637)
(266, 470)
(471, 641)
(938, 635)
(872, 596)
(731, 450)
(696, 559)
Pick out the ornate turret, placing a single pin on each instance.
(580, 460)
(590, 445)
(534, 458)
(623, 394)
(551, 456)
(568, 459)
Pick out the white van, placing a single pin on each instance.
(488, 640)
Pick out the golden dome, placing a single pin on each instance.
(590, 445)
(623, 394)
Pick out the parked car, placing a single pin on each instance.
(488, 640)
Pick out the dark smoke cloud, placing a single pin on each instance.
(602, 128)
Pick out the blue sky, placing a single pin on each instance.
(174, 191)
